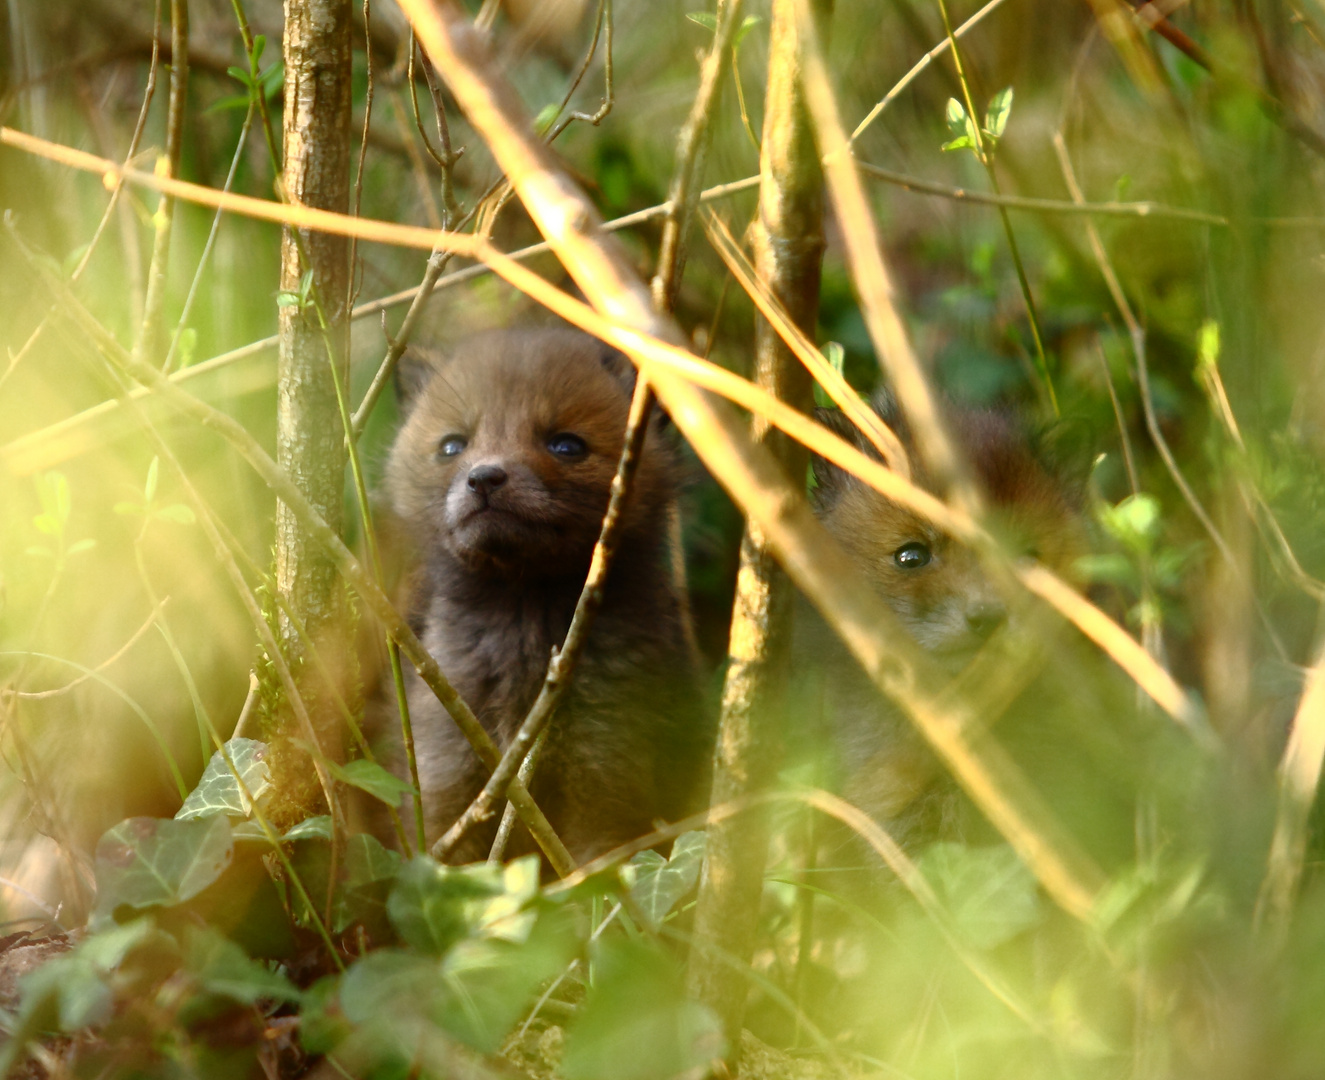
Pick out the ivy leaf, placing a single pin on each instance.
(637, 1022)
(218, 792)
(371, 777)
(996, 116)
(314, 828)
(154, 862)
(657, 885)
(705, 19)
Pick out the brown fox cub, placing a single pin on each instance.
(499, 478)
(940, 593)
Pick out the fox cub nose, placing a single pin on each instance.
(485, 479)
(983, 619)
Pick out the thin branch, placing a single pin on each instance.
(39, 695)
(1138, 340)
(211, 240)
(920, 65)
(148, 346)
(691, 149)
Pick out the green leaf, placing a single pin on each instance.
(154, 862)
(176, 513)
(956, 115)
(657, 885)
(40, 552)
(1207, 346)
(272, 81)
(836, 356)
(80, 546)
(186, 347)
(314, 828)
(153, 475)
(705, 19)
(636, 1022)
(239, 74)
(996, 116)
(287, 299)
(959, 143)
(370, 777)
(259, 43)
(990, 894)
(322, 1025)
(223, 968)
(46, 523)
(546, 115)
(1134, 522)
(218, 792)
(225, 104)
(434, 906)
(747, 24)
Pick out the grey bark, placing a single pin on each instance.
(310, 443)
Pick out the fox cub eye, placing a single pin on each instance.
(452, 445)
(566, 445)
(912, 556)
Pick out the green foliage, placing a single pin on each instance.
(230, 786)
(149, 862)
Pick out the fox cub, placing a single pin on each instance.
(499, 478)
(939, 592)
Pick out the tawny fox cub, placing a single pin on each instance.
(939, 591)
(499, 477)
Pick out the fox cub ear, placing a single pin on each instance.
(414, 370)
(831, 480)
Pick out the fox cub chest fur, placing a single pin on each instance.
(499, 478)
(939, 592)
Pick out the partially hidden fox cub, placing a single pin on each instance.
(499, 478)
(940, 594)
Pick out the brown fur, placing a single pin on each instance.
(500, 570)
(949, 605)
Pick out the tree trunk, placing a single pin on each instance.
(788, 249)
(309, 438)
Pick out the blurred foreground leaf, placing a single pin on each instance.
(153, 862)
(657, 885)
(636, 1022)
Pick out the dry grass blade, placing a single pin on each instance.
(838, 389)
(1299, 779)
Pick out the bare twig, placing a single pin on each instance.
(691, 150)
(148, 346)
(788, 241)
(38, 695)
(920, 65)
(211, 240)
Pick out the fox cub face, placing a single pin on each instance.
(933, 583)
(507, 456)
